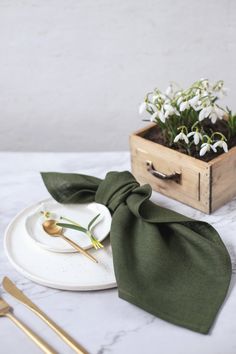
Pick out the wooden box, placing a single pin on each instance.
(203, 185)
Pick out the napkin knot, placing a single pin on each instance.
(170, 265)
(115, 189)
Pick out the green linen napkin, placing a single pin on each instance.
(170, 265)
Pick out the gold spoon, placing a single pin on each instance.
(52, 229)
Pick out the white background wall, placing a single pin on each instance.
(73, 72)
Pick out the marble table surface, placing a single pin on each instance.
(100, 320)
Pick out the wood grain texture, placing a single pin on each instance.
(203, 185)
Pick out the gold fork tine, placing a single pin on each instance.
(5, 310)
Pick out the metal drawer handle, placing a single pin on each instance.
(174, 176)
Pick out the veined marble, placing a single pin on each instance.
(100, 320)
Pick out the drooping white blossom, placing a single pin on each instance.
(196, 137)
(170, 110)
(144, 106)
(206, 147)
(181, 136)
(159, 114)
(194, 102)
(222, 144)
(212, 112)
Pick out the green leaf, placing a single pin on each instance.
(74, 227)
(92, 221)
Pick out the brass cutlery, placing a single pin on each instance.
(12, 289)
(54, 230)
(6, 310)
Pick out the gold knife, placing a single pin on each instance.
(12, 289)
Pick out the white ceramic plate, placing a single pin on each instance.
(67, 271)
(81, 213)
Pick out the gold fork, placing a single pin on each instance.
(5, 310)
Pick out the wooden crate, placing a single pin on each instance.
(203, 185)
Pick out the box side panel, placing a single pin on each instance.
(193, 186)
(224, 179)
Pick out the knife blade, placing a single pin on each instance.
(12, 289)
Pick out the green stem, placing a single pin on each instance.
(96, 244)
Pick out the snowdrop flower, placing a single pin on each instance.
(45, 213)
(220, 89)
(196, 136)
(170, 110)
(206, 147)
(184, 105)
(193, 102)
(157, 96)
(154, 116)
(181, 136)
(169, 91)
(144, 106)
(222, 144)
(164, 113)
(213, 112)
(205, 83)
(160, 114)
(180, 99)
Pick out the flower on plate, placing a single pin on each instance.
(181, 136)
(212, 112)
(206, 147)
(196, 136)
(222, 144)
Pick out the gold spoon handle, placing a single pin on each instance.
(78, 248)
(46, 348)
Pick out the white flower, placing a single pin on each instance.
(180, 99)
(154, 116)
(205, 83)
(144, 106)
(159, 114)
(204, 113)
(181, 136)
(169, 91)
(222, 144)
(223, 92)
(193, 102)
(206, 147)
(213, 112)
(183, 106)
(158, 97)
(170, 110)
(162, 115)
(220, 89)
(196, 137)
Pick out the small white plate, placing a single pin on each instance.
(66, 271)
(81, 213)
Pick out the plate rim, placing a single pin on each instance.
(39, 279)
(51, 248)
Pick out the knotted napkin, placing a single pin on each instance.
(170, 265)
